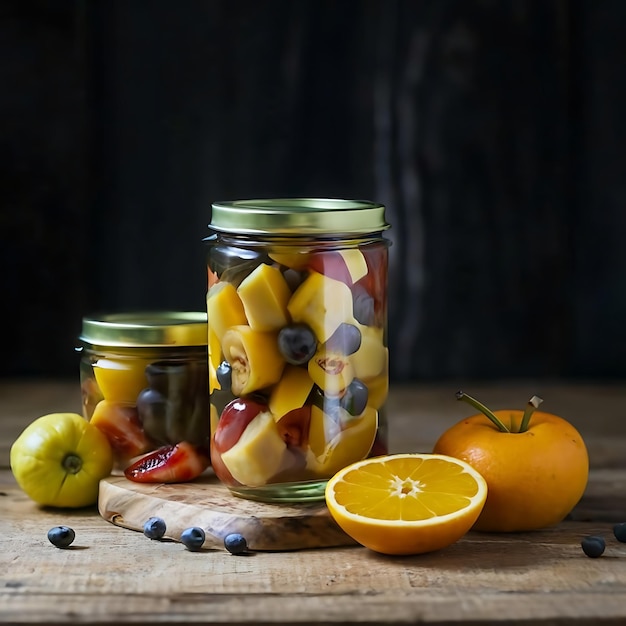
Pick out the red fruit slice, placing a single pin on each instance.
(294, 427)
(234, 419)
(169, 464)
(121, 425)
(347, 266)
(220, 469)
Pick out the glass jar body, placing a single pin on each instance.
(146, 398)
(298, 360)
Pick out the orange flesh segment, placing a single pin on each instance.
(392, 491)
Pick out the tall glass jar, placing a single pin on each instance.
(298, 357)
(144, 383)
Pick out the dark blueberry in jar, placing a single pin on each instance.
(297, 343)
(363, 306)
(619, 530)
(346, 339)
(354, 400)
(294, 278)
(157, 375)
(224, 375)
(192, 538)
(152, 411)
(593, 546)
(154, 528)
(236, 543)
(61, 536)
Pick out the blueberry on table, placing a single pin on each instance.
(192, 538)
(236, 543)
(154, 528)
(61, 536)
(593, 546)
(619, 530)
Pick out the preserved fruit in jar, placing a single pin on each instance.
(298, 356)
(145, 384)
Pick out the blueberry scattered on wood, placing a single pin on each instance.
(593, 546)
(61, 536)
(192, 538)
(619, 530)
(236, 543)
(154, 528)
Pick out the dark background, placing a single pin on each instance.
(493, 130)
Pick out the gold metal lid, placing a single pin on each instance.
(146, 329)
(298, 216)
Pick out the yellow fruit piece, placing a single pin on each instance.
(224, 308)
(331, 371)
(322, 430)
(406, 503)
(291, 391)
(215, 358)
(355, 262)
(333, 447)
(121, 381)
(259, 454)
(254, 357)
(288, 258)
(59, 459)
(323, 303)
(371, 357)
(264, 294)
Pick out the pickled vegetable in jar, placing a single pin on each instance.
(298, 356)
(144, 383)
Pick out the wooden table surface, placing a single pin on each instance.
(115, 575)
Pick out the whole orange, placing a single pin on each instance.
(534, 478)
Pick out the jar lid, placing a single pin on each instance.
(298, 216)
(146, 329)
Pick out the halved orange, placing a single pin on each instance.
(406, 503)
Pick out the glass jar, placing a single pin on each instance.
(298, 357)
(144, 383)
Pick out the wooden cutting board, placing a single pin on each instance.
(208, 504)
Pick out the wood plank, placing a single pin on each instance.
(114, 575)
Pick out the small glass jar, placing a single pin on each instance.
(144, 381)
(298, 357)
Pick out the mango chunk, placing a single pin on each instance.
(259, 453)
(224, 308)
(291, 391)
(264, 294)
(323, 303)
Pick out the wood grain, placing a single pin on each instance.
(113, 575)
(208, 504)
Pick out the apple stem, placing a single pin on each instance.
(531, 406)
(460, 395)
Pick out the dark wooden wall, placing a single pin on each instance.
(493, 131)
